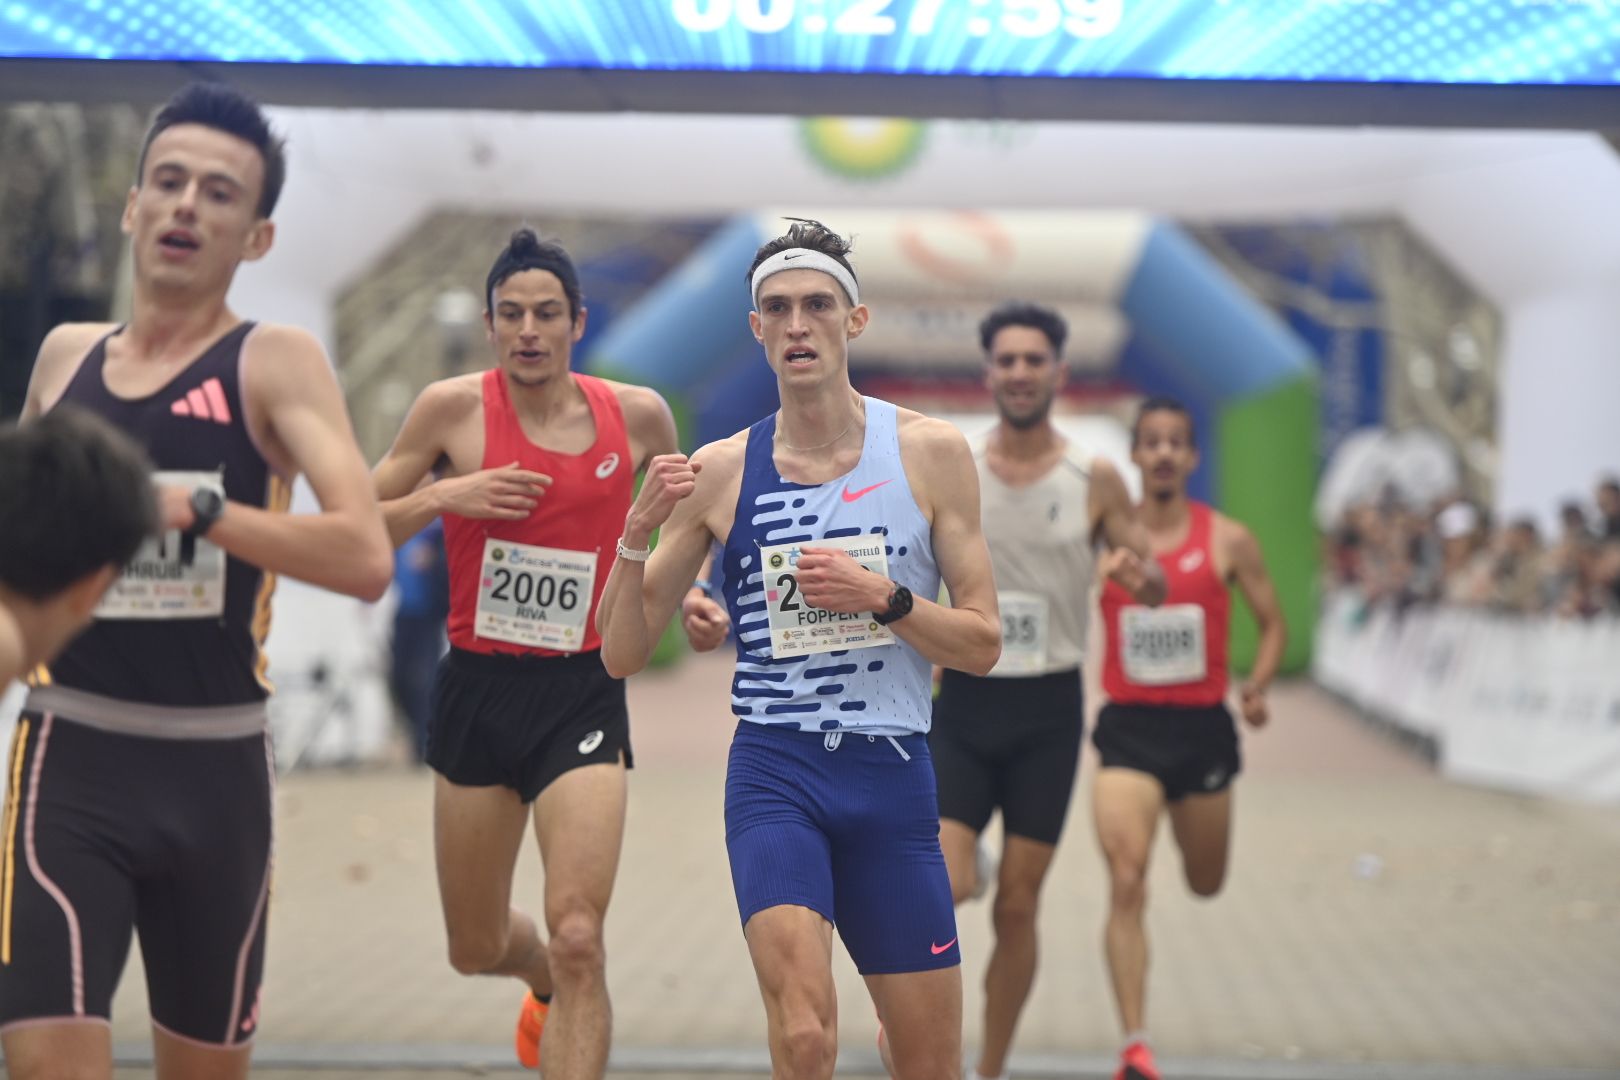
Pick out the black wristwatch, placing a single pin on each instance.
(207, 506)
(899, 606)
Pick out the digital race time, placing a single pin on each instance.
(951, 19)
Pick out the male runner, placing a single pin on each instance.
(539, 465)
(76, 498)
(1165, 736)
(143, 758)
(1012, 739)
(838, 514)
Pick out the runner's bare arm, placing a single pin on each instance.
(58, 358)
(648, 422)
(296, 411)
(652, 432)
(13, 650)
(506, 493)
(1254, 582)
(639, 599)
(407, 503)
(967, 635)
(1114, 520)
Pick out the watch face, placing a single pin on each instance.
(207, 503)
(899, 604)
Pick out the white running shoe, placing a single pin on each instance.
(985, 865)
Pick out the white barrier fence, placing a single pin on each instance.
(1530, 704)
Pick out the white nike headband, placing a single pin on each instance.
(805, 259)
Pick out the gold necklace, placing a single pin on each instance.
(820, 446)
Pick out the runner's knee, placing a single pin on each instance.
(1205, 881)
(476, 953)
(576, 947)
(1128, 882)
(809, 1042)
(1014, 911)
(963, 883)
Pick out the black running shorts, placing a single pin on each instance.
(522, 721)
(108, 834)
(1189, 750)
(1008, 743)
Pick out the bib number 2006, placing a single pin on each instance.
(534, 596)
(543, 590)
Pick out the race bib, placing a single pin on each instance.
(1023, 634)
(797, 628)
(534, 596)
(1163, 646)
(173, 575)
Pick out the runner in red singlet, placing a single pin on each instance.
(1165, 737)
(536, 469)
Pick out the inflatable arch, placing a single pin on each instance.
(1189, 332)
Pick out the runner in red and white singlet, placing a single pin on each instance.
(1165, 736)
(535, 466)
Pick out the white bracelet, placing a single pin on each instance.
(633, 554)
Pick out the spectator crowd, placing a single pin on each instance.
(1454, 553)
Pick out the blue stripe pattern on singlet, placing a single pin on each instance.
(879, 690)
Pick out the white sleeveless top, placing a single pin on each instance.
(1041, 550)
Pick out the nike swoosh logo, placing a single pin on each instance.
(851, 496)
(790, 258)
(941, 948)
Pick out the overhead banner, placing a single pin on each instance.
(1552, 42)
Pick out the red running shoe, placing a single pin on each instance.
(1136, 1063)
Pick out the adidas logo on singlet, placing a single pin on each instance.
(205, 402)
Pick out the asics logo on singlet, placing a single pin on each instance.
(1191, 561)
(205, 402)
(851, 496)
(609, 463)
(590, 742)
